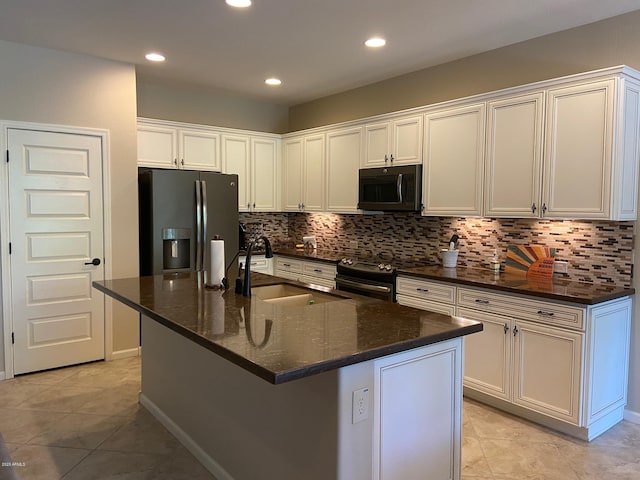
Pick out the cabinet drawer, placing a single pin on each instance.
(544, 312)
(324, 282)
(288, 265)
(426, 290)
(427, 305)
(317, 269)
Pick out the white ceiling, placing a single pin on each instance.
(314, 46)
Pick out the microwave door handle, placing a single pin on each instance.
(399, 185)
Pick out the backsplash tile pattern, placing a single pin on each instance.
(597, 251)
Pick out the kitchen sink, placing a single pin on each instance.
(292, 295)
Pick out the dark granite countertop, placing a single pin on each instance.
(555, 289)
(282, 343)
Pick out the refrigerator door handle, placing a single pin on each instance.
(198, 227)
(203, 185)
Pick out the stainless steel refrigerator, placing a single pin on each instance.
(180, 211)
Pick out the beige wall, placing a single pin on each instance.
(48, 86)
(615, 41)
(208, 107)
(607, 43)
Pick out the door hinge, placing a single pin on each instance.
(13, 338)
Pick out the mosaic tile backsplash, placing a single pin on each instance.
(597, 251)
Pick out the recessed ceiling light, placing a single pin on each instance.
(154, 57)
(273, 81)
(239, 3)
(375, 42)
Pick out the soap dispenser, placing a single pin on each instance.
(494, 262)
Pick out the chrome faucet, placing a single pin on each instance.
(268, 253)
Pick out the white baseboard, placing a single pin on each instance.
(631, 416)
(203, 457)
(130, 352)
(2, 376)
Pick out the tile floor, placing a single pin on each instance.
(84, 423)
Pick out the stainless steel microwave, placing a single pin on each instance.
(390, 189)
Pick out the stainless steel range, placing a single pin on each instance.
(371, 279)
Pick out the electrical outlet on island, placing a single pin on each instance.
(560, 266)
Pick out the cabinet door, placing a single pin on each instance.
(157, 146)
(453, 158)
(407, 141)
(377, 144)
(313, 177)
(292, 166)
(344, 150)
(199, 150)
(577, 163)
(514, 157)
(235, 159)
(487, 354)
(264, 174)
(548, 370)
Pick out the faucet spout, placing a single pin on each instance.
(268, 253)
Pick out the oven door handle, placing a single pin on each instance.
(363, 286)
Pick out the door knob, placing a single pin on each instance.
(95, 261)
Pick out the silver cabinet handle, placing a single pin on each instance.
(317, 270)
(286, 264)
(506, 328)
(399, 184)
(545, 314)
(533, 208)
(515, 330)
(425, 290)
(544, 208)
(175, 162)
(182, 162)
(386, 158)
(482, 301)
(391, 158)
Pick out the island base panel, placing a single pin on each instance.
(241, 427)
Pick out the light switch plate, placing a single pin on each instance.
(560, 266)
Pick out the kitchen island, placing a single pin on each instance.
(340, 387)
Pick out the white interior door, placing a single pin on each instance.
(56, 229)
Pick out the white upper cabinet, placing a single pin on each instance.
(394, 142)
(236, 160)
(199, 150)
(255, 161)
(591, 151)
(157, 146)
(314, 173)
(344, 152)
(453, 160)
(169, 146)
(513, 160)
(304, 175)
(292, 157)
(265, 174)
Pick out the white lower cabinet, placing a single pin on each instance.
(259, 263)
(426, 295)
(307, 271)
(559, 364)
(531, 365)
